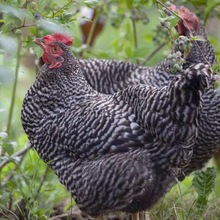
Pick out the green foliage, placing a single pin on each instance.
(134, 31)
(203, 182)
(210, 6)
(195, 198)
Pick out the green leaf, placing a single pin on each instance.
(203, 181)
(51, 26)
(16, 12)
(91, 3)
(173, 21)
(210, 6)
(9, 147)
(197, 38)
(9, 44)
(141, 51)
(216, 67)
(129, 51)
(201, 204)
(199, 2)
(32, 31)
(130, 3)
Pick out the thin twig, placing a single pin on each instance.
(91, 32)
(17, 154)
(64, 7)
(135, 36)
(173, 12)
(169, 30)
(18, 56)
(10, 175)
(42, 181)
(20, 27)
(154, 52)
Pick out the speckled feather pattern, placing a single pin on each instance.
(109, 76)
(113, 152)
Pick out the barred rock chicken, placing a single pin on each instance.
(109, 76)
(112, 76)
(112, 152)
(190, 25)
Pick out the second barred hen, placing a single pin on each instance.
(109, 76)
(112, 152)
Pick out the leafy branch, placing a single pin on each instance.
(18, 58)
(203, 182)
(58, 12)
(18, 154)
(192, 37)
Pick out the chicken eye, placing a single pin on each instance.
(55, 49)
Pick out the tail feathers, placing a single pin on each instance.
(196, 78)
(199, 76)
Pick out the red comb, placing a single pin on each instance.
(173, 7)
(179, 9)
(59, 37)
(188, 22)
(63, 38)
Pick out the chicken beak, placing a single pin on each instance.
(39, 41)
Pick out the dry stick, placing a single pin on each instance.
(190, 32)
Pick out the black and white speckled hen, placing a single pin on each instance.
(112, 152)
(111, 76)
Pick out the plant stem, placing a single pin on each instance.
(63, 8)
(42, 182)
(17, 165)
(91, 32)
(17, 154)
(94, 22)
(135, 36)
(18, 58)
(154, 52)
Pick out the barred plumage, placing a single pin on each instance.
(112, 76)
(112, 152)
